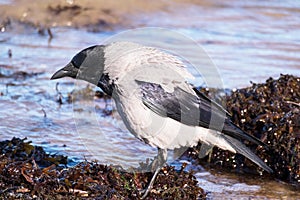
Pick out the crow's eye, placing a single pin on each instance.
(78, 59)
(74, 64)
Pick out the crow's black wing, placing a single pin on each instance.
(192, 110)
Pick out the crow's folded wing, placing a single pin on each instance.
(191, 109)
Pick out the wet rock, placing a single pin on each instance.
(4, 23)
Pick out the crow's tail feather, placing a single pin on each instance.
(245, 151)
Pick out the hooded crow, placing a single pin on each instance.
(155, 101)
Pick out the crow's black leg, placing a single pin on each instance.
(160, 160)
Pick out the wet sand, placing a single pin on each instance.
(84, 13)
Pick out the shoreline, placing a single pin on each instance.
(103, 15)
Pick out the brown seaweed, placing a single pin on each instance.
(28, 172)
(271, 112)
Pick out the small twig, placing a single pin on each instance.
(50, 35)
(45, 114)
(35, 166)
(56, 88)
(59, 94)
(294, 103)
(9, 53)
(8, 189)
(7, 84)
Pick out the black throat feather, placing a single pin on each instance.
(106, 84)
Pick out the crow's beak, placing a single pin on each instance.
(68, 71)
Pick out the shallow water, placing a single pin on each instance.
(246, 41)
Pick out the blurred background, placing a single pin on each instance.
(247, 41)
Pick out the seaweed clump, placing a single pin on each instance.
(271, 112)
(27, 172)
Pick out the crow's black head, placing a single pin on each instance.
(87, 65)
